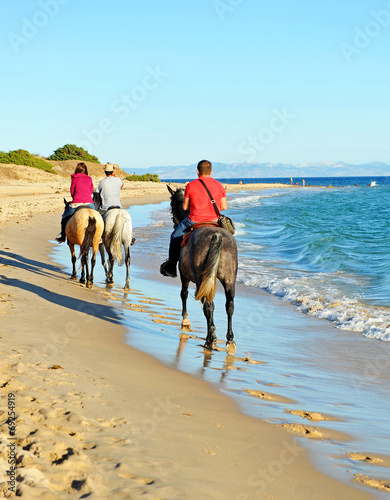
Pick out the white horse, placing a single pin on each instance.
(118, 232)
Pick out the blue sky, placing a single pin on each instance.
(168, 83)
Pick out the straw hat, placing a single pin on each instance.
(108, 167)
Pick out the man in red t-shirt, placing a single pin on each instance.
(197, 200)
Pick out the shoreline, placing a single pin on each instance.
(343, 439)
(111, 418)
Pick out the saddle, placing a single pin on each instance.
(79, 207)
(66, 219)
(196, 226)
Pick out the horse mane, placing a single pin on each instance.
(177, 197)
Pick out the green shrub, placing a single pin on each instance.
(144, 178)
(72, 152)
(23, 157)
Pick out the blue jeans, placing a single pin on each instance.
(68, 212)
(182, 228)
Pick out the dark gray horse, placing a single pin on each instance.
(210, 254)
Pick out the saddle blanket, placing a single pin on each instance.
(196, 226)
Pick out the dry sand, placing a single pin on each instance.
(97, 419)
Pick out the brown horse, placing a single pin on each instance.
(85, 228)
(210, 254)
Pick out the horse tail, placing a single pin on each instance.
(88, 236)
(114, 239)
(206, 290)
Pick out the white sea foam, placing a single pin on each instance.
(240, 228)
(317, 296)
(249, 247)
(250, 201)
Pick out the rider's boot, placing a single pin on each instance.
(168, 268)
(62, 236)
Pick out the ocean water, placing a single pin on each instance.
(327, 251)
(312, 312)
(309, 181)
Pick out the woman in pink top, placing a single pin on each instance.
(81, 189)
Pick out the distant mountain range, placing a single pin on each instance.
(268, 170)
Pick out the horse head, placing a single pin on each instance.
(177, 197)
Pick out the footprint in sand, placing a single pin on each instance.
(312, 432)
(306, 430)
(267, 396)
(317, 417)
(250, 361)
(138, 308)
(365, 458)
(124, 471)
(379, 484)
(151, 301)
(164, 322)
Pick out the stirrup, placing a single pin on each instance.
(166, 271)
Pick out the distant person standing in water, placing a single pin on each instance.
(303, 182)
(109, 190)
(291, 181)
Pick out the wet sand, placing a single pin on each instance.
(96, 417)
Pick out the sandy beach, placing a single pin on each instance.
(98, 419)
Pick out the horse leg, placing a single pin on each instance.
(83, 266)
(109, 276)
(185, 324)
(103, 258)
(127, 262)
(208, 309)
(230, 344)
(74, 259)
(90, 276)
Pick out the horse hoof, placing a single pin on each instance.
(89, 284)
(210, 345)
(73, 278)
(185, 325)
(231, 347)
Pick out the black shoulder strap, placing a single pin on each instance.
(211, 198)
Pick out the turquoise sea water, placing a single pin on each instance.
(325, 250)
